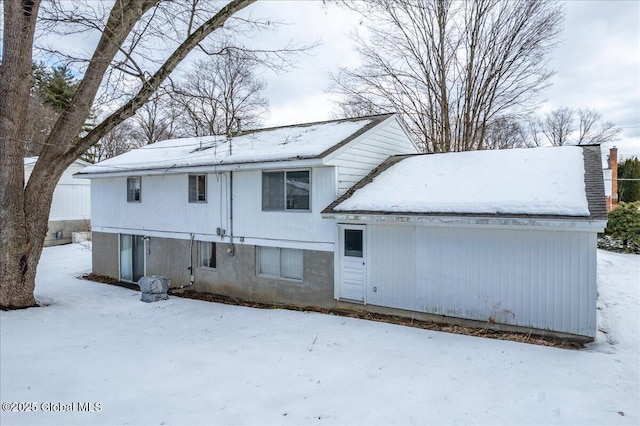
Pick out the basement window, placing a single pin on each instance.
(134, 185)
(206, 254)
(280, 262)
(197, 188)
(286, 190)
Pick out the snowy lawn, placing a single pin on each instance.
(184, 361)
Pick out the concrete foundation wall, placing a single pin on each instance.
(67, 227)
(234, 276)
(104, 254)
(169, 258)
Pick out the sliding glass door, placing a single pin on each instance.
(131, 257)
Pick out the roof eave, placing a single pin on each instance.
(207, 168)
(574, 223)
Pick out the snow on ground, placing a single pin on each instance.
(547, 180)
(184, 361)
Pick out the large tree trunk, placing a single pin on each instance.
(17, 271)
(24, 212)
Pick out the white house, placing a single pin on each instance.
(237, 216)
(266, 216)
(71, 204)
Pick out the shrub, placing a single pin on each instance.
(624, 225)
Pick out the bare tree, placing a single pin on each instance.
(451, 67)
(505, 132)
(40, 120)
(155, 121)
(218, 91)
(558, 126)
(533, 130)
(122, 138)
(126, 31)
(592, 130)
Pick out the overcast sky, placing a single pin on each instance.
(597, 62)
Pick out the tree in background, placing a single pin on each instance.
(564, 126)
(505, 132)
(629, 180)
(450, 68)
(141, 43)
(557, 126)
(219, 91)
(155, 121)
(624, 224)
(55, 87)
(122, 138)
(51, 91)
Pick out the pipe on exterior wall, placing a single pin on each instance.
(192, 278)
(231, 250)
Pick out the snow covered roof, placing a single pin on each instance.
(297, 142)
(549, 181)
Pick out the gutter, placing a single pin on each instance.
(564, 223)
(207, 168)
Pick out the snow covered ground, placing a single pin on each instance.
(184, 361)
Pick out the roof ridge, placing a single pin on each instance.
(314, 123)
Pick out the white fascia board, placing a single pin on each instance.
(219, 168)
(473, 221)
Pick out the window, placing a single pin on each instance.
(197, 188)
(353, 242)
(133, 189)
(286, 190)
(206, 254)
(280, 262)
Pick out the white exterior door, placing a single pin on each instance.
(352, 262)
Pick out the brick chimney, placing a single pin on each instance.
(613, 165)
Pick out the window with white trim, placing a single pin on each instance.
(280, 262)
(206, 254)
(286, 190)
(197, 188)
(134, 186)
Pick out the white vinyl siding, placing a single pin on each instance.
(280, 262)
(72, 197)
(197, 188)
(543, 278)
(358, 160)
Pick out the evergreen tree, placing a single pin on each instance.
(629, 190)
(55, 86)
(624, 224)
